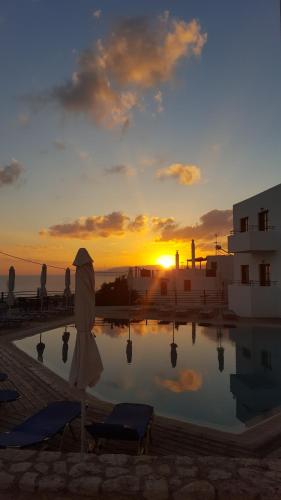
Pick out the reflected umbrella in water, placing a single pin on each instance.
(174, 354)
(40, 349)
(129, 347)
(220, 350)
(65, 339)
(193, 332)
(86, 366)
(67, 291)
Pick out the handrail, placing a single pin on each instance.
(253, 228)
(256, 283)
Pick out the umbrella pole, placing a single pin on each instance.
(83, 421)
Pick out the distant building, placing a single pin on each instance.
(201, 281)
(256, 244)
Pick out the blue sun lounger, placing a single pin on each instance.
(8, 395)
(42, 426)
(127, 421)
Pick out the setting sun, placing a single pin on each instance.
(165, 261)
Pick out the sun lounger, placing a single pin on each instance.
(42, 426)
(127, 421)
(7, 396)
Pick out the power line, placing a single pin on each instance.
(30, 261)
(54, 267)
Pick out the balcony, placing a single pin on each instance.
(254, 240)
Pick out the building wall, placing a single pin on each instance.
(253, 299)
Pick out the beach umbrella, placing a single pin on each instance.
(40, 349)
(67, 292)
(86, 366)
(43, 281)
(220, 350)
(11, 287)
(65, 339)
(129, 347)
(174, 354)
(193, 332)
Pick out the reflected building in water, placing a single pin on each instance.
(256, 385)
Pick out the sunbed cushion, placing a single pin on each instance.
(7, 395)
(126, 421)
(43, 425)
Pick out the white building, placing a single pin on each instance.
(202, 281)
(256, 243)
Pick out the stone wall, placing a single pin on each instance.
(53, 475)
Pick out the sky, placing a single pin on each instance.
(130, 128)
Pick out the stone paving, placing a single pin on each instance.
(52, 475)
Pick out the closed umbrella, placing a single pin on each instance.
(86, 366)
(174, 354)
(11, 287)
(67, 291)
(43, 281)
(129, 347)
(65, 339)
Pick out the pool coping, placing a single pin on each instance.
(253, 440)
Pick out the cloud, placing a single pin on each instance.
(23, 119)
(96, 14)
(120, 170)
(83, 155)
(139, 224)
(137, 56)
(10, 174)
(212, 222)
(97, 226)
(158, 97)
(59, 145)
(184, 174)
(188, 380)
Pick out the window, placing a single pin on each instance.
(163, 288)
(245, 274)
(187, 285)
(244, 224)
(263, 220)
(264, 274)
(266, 360)
(211, 272)
(246, 352)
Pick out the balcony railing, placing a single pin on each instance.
(253, 227)
(256, 283)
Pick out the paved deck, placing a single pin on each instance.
(38, 386)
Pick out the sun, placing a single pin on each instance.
(165, 261)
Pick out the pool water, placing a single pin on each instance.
(216, 377)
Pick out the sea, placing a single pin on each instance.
(55, 282)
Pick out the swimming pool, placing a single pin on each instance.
(216, 377)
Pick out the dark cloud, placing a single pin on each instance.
(59, 145)
(119, 170)
(215, 221)
(97, 226)
(10, 174)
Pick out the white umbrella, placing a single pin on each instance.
(86, 366)
(43, 281)
(67, 291)
(11, 287)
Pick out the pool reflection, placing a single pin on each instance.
(217, 376)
